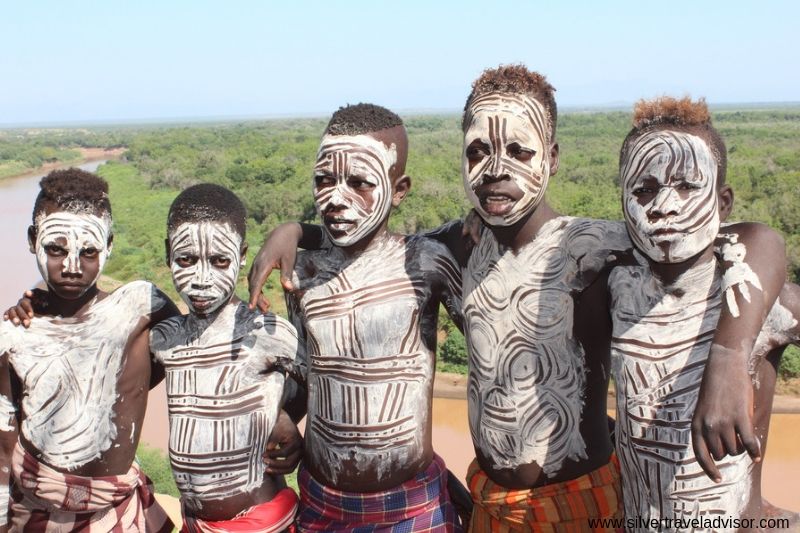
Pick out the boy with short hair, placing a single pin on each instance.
(367, 306)
(73, 386)
(225, 369)
(664, 311)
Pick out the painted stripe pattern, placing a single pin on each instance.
(370, 333)
(74, 232)
(659, 348)
(527, 371)
(342, 157)
(223, 396)
(680, 217)
(497, 121)
(69, 370)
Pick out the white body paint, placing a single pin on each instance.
(739, 274)
(345, 156)
(75, 232)
(370, 335)
(223, 396)
(7, 413)
(69, 370)
(527, 372)
(499, 120)
(202, 281)
(660, 344)
(682, 217)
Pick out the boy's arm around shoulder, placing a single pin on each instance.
(8, 435)
(280, 251)
(161, 309)
(446, 279)
(753, 260)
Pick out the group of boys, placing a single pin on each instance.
(552, 306)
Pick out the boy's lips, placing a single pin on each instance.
(338, 223)
(497, 204)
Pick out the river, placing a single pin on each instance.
(450, 430)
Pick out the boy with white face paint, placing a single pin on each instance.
(225, 373)
(664, 312)
(67, 442)
(535, 307)
(367, 307)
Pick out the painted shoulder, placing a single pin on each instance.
(276, 333)
(164, 335)
(429, 254)
(10, 336)
(146, 297)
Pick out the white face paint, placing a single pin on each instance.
(70, 235)
(205, 258)
(352, 187)
(506, 158)
(669, 191)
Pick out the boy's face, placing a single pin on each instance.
(205, 258)
(71, 250)
(506, 159)
(353, 185)
(669, 195)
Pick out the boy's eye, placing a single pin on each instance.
(641, 191)
(90, 253)
(324, 180)
(686, 186)
(55, 250)
(477, 151)
(186, 260)
(520, 153)
(360, 184)
(220, 261)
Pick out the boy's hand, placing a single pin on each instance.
(278, 251)
(723, 419)
(23, 312)
(285, 447)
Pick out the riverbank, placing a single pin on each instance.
(88, 155)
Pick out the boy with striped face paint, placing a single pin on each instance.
(367, 307)
(225, 373)
(664, 312)
(70, 427)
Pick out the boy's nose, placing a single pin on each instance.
(72, 265)
(665, 203)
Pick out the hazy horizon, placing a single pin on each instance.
(92, 62)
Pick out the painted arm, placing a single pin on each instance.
(753, 258)
(8, 437)
(280, 251)
(164, 308)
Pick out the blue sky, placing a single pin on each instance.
(69, 61)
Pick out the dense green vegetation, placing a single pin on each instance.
(269, 165)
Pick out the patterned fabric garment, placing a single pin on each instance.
(45, 500)
(559, 507)
(419, 504)
(273, 516)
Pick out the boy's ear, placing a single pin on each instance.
(32, 239)
(166, 249)
(725, 202)
(110, 243)
(243, 258)
(554, 158)
(401, 188)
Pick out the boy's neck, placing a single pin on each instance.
(223, 310)
(671, 275)
(524, 232)
(72, 308)
(366, 243)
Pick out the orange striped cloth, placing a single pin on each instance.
(560, 507)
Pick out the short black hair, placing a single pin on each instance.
(516, 79)
(668, 113)
(207, 202)
(73, 190)
(359, 119)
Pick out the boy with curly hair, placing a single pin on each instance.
(73, 385)
(664, 311)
